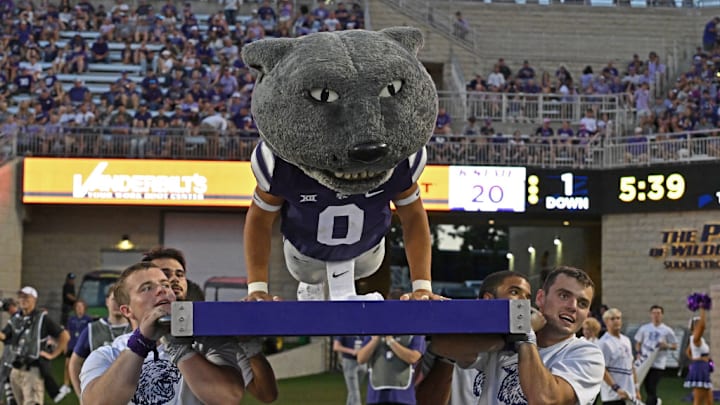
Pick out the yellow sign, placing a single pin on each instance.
(137, 182)
(166, 182)
(433, 183)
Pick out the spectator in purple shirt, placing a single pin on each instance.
(24, 82)
(266, 9)
(142, 114)
(100, 51)
(228, 82)
(153, 96)
(526, 72)
(75, 325)
(197, 92)
(169, 8)
(75, 60)
(530, 87)
(46, 102)
(710, 34)
(642, 100)
(23, 32)
(655, 67)
(205, 52)
(545, 132)
(320, 12)
(216, 96)
(6, 8)
(636, 147)
(443, 123)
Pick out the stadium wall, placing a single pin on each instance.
(10, 230)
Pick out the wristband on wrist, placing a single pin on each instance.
(142, 346)
(529, 338)
(422, 285)
(257, 286)
(615, 387)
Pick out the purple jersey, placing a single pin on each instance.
(75, 327)
(322, 223)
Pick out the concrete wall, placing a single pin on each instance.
(60, 239)
(579, 248)
(632, 280)
(11, 231)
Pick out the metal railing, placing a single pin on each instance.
(533, 108)
(441, 20)
(123, 142)
(552, 152)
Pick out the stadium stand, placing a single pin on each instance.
(167, 80)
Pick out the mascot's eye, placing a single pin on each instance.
(391, 89)
(324, 95)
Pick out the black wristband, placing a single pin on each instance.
(439, 357)
(615, 387)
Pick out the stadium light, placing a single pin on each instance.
(125, 243)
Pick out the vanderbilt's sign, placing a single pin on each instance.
(690, 249)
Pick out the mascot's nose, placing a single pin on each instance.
(368, 152)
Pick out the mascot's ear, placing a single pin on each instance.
(410, 38)
(263, 55)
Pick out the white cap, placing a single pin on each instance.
(28, 291)
(236, 94)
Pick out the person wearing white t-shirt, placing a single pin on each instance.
(443, 378)
(550, 366)
(620, 381)
(140, 368)
(496, 78)
(216, 121)
(650, 336)
(589, 121)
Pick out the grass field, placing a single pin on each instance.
(329, 389)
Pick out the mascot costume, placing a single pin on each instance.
(344, 118)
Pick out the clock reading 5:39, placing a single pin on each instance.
(655, 187)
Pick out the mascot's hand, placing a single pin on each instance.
(261, 296)
(422, 295)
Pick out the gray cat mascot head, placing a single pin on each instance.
(345, 107)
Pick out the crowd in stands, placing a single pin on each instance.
(185, 76)
(689, 109)
(191, 79)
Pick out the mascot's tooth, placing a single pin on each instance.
(339, 174)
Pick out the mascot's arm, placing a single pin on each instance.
(416, 235)
(258, 235)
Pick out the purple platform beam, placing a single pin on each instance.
(334, 318)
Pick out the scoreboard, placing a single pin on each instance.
(495, 189)
(662, 188)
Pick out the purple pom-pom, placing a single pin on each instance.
(693, 301)
(705, 301)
